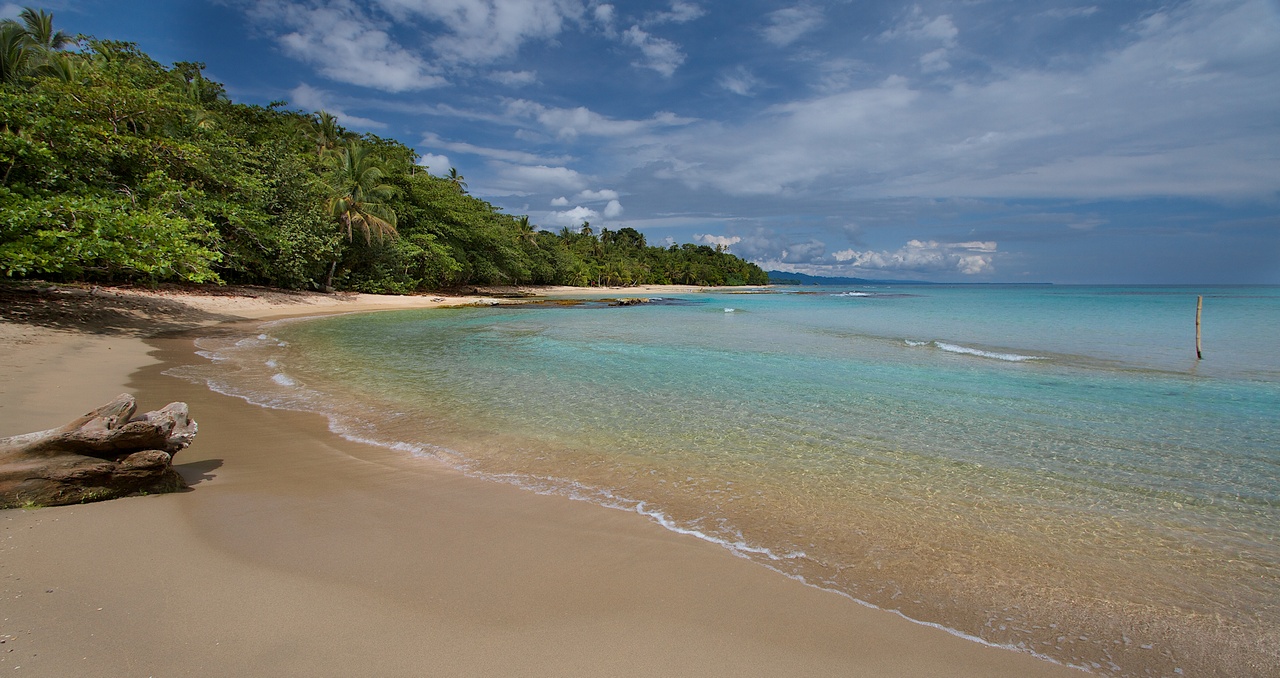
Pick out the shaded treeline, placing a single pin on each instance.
(116, 168)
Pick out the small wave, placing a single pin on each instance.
(853, 294)
(1011, 357)
(966, 350)
(283, 380)
(730, 310)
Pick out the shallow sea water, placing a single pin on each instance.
(1046, 468)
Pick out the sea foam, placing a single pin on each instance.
(968, 350)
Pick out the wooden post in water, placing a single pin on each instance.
(1199, 305)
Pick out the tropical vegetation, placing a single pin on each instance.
(116, 168)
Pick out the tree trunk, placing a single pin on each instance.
(104, 454)
(328, 279)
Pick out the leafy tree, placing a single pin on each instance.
(115, 167)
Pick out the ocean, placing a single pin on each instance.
(1045, 468)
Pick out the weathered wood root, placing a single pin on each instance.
(104, 454)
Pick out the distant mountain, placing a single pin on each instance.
(781, 278)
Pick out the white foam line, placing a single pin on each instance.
(966, 350)
(557, 486)
(1011, 357)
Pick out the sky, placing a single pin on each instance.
(1066, 141)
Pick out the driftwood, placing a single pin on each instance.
(104, 454)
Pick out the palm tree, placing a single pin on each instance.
(326, 132)
(357, 193)
(31, 47)
(525, 230)
(457, 179)
(39, 28)
(15, 52)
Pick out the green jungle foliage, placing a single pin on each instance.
(115, 168)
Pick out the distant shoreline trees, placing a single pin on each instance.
(115, 168)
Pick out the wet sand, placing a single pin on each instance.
(298, 553)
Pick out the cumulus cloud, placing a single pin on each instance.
(785, 26)
(601, 195)
(803, 252)
(604, 14)
(345, 44)
(574, 217)
(439, 163)
(526, 179)
(716, 240)
(310, 98)
(660, 54)
(571, 218)
(925, 256)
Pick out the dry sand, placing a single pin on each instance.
(298, 553)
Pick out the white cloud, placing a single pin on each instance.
(800, 252)
(345, 44)
(313, 99)
(601, 195)
(568, 123)
(439, 163)
(560, 202)
(1072, 12)
(604, 14)
(514, 78)
(919, 256)
(660, 54)
(718, 240)
(525, 179)
(740, 81)
(935, 61)
(680, 12)
(920, 27)
(483, 31)
(788, 25)
(613, 210)
(10, 11)
(571, 218)
(505, 155)
(1187, 107)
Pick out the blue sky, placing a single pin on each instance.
(1060, 141)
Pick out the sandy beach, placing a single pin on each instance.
(298, 553)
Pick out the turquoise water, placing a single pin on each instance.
(1046, 468)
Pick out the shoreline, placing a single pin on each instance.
(301, 553)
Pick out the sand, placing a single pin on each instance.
(298, 553)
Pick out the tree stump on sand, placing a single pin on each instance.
(104, 454)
